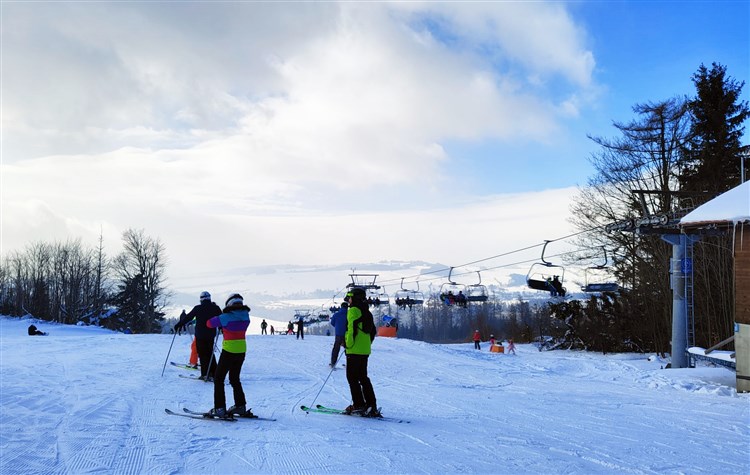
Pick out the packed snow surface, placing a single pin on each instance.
(86, 400)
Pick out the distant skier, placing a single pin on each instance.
(338, 322)
(477, 339)
(263, 326)
(511, 347)
(33, 331)
(492, 341)
(234, 320)
(301, 328)
(204, 335)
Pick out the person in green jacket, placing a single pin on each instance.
(360, 332)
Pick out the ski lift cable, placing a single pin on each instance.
(512, 264)
(497, 256)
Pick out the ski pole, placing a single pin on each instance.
(312, 404)
(168, 352)
(213, 357)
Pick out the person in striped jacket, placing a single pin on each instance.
(234, 320)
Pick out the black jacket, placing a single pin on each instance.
(202, 313)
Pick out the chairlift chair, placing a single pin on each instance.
(542, 275)
(449, 290)
(302, 313)
(378, 296)
(598, 278)
(477, 292)
(323, 316)
(408, 298)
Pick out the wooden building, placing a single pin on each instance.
(731, 211)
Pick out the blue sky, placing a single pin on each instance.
(250, 133)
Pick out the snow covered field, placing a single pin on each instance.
(86, 400)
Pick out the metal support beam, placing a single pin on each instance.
(681, 269)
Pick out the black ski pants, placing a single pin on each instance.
(359, 383)
(338, 342)
(205, 348)
(229, 363)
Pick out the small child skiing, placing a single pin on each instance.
(511, 347)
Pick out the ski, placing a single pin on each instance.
(188, 411)
(201, 416)
(196, 378)
(184, 366)
(341, 411)
(330, 410)
(322, 410)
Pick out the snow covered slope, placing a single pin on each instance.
(84, 400)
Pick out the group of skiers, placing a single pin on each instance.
(477, 338)
(233, 322)
(355, 330)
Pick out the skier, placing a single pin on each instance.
(477, 339)
(338, 322)
(360, 332)
(33, 331)
(263, 326)
(511, 347)
(204, 335)
(194, 353)
(492, 341)
(233, 321)
(301, 328)
(193, 348)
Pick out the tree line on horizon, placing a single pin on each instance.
(684, 150)
(70, 283)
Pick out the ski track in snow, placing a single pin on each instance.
(84, 400)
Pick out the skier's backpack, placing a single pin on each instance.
(368, 325)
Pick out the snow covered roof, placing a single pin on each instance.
(733, 205)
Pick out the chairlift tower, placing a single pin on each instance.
(364, 281)
(680, 268)
(681, 283)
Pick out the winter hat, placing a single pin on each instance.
(358, 294)
(234, 299)
(205, 296)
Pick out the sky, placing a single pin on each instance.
(80, 400)
(262, 133)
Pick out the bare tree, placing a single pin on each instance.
(644, 157)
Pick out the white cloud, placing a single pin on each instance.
(230, 127)
(204, 226)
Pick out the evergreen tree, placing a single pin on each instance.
(140, 269)
(711, 159)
